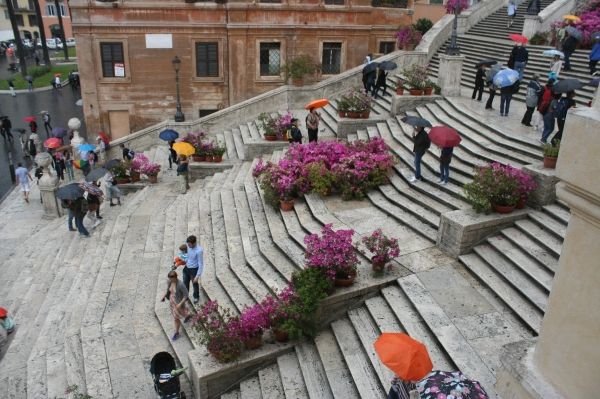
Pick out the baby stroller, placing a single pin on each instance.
(166, 376)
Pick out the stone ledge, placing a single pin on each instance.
(546, 180)
(346, 126)
(200, 170)
(461, 230)
(407, 102)
(128, 188)
(255, 149)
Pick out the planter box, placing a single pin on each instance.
(401, 104)
(347, 126)
(546, 180)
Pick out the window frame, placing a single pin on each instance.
(207, 60)
(342, 54)
(386, 40)
(97, 49)
(221, 58)
(50, 10)
(282, 59)
(334, 3)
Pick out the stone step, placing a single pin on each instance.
(540, 236)
(423, 214)
(523, 309)
(239, 143)
(529, 246)
(336, 369)
(230, 145)
(250, 389)
(462, 354)
(548, 223)
(271, 386)
(292, 380)
(313, 371)
(403, 188)
(558, 212)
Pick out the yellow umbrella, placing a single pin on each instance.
(573, 18)
(183, 148)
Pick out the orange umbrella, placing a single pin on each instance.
(406, 357)
(53, 142)
(317, 103)
(573, 18)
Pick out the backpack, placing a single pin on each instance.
(531, 98)
(561, 108)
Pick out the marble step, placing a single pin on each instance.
(558, 212)
(540, 235)
(530, 247)
(549, 224)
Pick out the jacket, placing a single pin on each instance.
(480, 76)
(546, 99)
(446, 155)
(520, 54)
(296, 136)
(595, 53)
(422, 142)
(534, 93)
(569, 44)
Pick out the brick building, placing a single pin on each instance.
(229, 50)
(27, 20)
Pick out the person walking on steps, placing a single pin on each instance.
(79, 208)
(594, 57)
(561, 114)
(550, 118)
(380, 83)
(24, 178)
(445, 158)
(178, 296)
(172, 155)
(511, 11)
(312, 125)
(544, 103)
(532, 99)
(182, 172)
(568, 48)
(520, 56)
(421, 144)
(479, 83)
(46, 118)
(192, 272)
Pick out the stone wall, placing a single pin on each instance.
(543, 21)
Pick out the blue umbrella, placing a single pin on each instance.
(553, 52)
(59, 132)
(87, 147)
(506, 77)
(168, 135)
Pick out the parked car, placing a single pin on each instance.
(71, 42)
(27, 43)
(54, 44)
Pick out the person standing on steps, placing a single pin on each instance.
(46, 118)
(555, 67)
(568, 48)
(491, 88)
(445, 159)
(194, 266)
(511, 11)
(594, 57)
(312, 125)
(178, 296)
(520, 56)
(421, 144)
(506, 94)
(182, 172)
(172, 155)
(532, 99)
(561, 114)
(479, 83)
(79, 208)
(544, 103)
(24, 178)
(550, 118)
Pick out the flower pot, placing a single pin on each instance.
(342, 114)
(416, 92)
(253, 342)
(522, 202)
(217, 158)
(135, 176)
(286, 206)
(408, 47)
(123, 180)
(345, 282)
(153, 179)
(280, 336)
(428, 91)
(364, 115)
(298, 82)
(550, 162)
(378, 266)
(400, 90)
(504, 209)
(353, 115)
(199, 158)
(271, 138)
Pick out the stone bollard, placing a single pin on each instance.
(75, 124)
(450, 73)
(48, 186)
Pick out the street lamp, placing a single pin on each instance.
(179, 117)
(453, 49)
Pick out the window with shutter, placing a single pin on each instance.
(332, 58)
(386, 47)
(110, 55)
(207, 59)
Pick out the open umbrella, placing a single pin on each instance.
(70, 192)
(317, 103)
(96, 174)
(515, 37)
(370, 67)
(406, 357)
(573, 31)
(439, 384)
(80, 163)
(388, 65)
(168, 135)
(573, 18)
(553, 52)
(567, 85)
(104, 137)
(416, 121)
(29, 119)
(183, 148)
(91, 188)
(444, 136)
(112, 163)
(3, 312)
(506, 77)
(486, 62)
(53, 142)
(59, 132)
(86, 147)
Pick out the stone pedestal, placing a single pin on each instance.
(75, 124)
(531, 26)
(449, 74)
(546, 180)
(48, 186)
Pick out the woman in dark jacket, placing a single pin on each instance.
(421, 144)
(177, 295)
(381, 83)
(479, 82)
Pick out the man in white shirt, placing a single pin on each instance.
(23, 177)
(194, 266)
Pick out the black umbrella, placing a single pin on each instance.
(69, 192)
(370, 67)
(388, 65)
(96, 174)
(486, 62)
(416, 121)
(112, 163)
(567, 85)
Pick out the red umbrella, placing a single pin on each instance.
(515, 37)
(444, 136)
(104, 137)
(53, 142)
(29, 119)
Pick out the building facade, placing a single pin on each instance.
(229, 50)
(27, 19)
(50, 18)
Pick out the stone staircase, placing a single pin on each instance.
(489, 40)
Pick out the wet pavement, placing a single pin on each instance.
(61, 106)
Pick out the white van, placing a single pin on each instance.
(54, 44)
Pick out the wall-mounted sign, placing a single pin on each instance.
(159, 40)
(119, 70)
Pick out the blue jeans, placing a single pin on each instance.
(505, 103)
(444, 172)
(71, 216)
(548, 125)
(79, 224)
(418, 157)
(519, 67)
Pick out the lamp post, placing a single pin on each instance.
(179, 117)
(453, 49)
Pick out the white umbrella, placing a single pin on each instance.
(553, 52)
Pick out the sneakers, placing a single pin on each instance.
(99, 217)
(111, 204)
(96, 224)
(440, 181)
(175, 336)
(187, 319)
(72, 229)
(444, 183)
(413, 179)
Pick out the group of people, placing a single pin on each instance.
(421, 143)
(374, 80)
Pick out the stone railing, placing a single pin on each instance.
(542, 22)
(442, 30)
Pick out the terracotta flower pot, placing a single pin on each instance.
(135, 176)
(280, 336)
(153, 179)
(199, 158)
(345, 282)
(550, 162)
(298, 82)
(364, 115)
(522, 202)
(378, 266)
(286, 206)
(416, 92)
(400, 90)
(503, 209)
(217, 158)
(428, 91)
(123, 180)
(254, 342)
(342, 114)
(271, 138)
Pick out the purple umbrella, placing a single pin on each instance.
(59, 132)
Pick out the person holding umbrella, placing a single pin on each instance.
(568, 47)
(380, 83)
(561, 114)
(46, 118)
(420, 147)
(489, 80)
(550, 117)
(446, 138)
(170, 136)
(312, 124)
(479, 82)
(532, 98)
(520, 56)
(508, 81)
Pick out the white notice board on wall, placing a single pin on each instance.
(159, 40)
(119, 70)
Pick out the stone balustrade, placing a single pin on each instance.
(541, 22)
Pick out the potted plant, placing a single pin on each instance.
(214, 326)
(298, 67)
(383, 249)
(400, 87)
(355, 104)
(333, 253)
(275, 128)
(551, 154)
(137, 164)
(279, 184)
(253, 321)
(408, 37)
(119, 171)
(416, 76)
(494, 186)
(428, 87)
(151, 170)
(321, 179)
(217, 153)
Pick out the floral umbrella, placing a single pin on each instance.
(446, 384)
